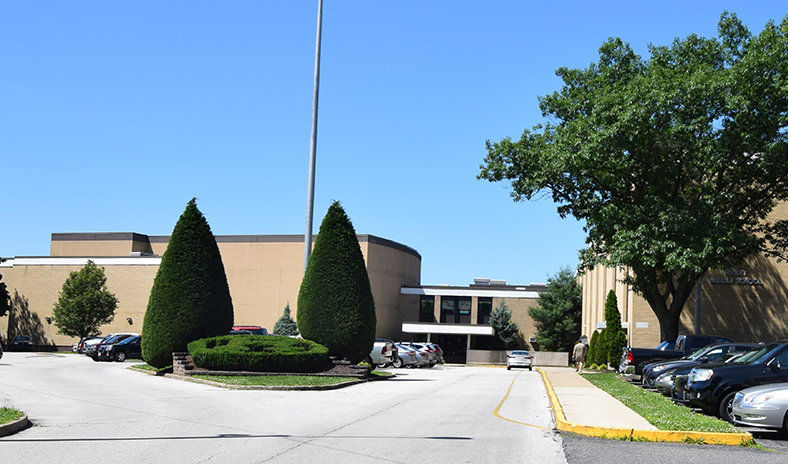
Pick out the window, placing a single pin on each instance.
(448, 309)
(485, 308)
(427, 309)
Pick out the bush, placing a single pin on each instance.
(600, 355)
(286, 325)
(335, 304)
(258, 353)
(190, 298)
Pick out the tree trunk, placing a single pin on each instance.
(669, 316)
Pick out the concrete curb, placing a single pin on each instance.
(13, 427)
(712, 438)
(335, 386)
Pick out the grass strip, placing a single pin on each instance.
(659, 410)
(275, 380)
(8, 415)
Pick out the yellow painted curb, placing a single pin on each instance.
(711, 438)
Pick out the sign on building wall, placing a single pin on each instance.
(735, 277)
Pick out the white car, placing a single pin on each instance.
(519, 358)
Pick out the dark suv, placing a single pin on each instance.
(128, 348)
(713, 386)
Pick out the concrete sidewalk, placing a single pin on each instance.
(580, 407)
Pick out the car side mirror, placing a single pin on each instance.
(775, 365)
(704, 359)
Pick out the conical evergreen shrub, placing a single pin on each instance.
(615, 338)
(286, 325)
(190, 298)
(335, 304)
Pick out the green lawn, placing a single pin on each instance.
(7, 415)
(275, 380)
(659, 410)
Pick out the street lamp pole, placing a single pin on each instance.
(310, 207)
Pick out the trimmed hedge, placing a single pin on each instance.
(258, 353)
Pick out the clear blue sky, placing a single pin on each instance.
(114, 114)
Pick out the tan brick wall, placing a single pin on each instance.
(263, 272)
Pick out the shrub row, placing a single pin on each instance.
(258, 353)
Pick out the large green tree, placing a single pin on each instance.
(335, 303)
(84, 304)
(673, 162)
(190, 298)
(559, 311)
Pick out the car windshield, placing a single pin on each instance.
(22, 338)
(127, 341)
(754, 356)
(696, 354)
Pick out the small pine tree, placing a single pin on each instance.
(501, 321)
(592, 348)
(85, 303)
(600, 355)
(615, 338)
(335, 304)
(286, 325)
(190, 298)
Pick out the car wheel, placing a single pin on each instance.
(508, 368)
(397, 363)
(530, 368)
(725, 410)
(383, 365)
(94, 358)
(120, 356)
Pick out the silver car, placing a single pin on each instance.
(762, 406)
(519, 358)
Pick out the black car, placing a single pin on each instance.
(128, 348)
(704, 355)
(101, 353)
(713, 386)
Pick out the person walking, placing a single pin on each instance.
(579, 355)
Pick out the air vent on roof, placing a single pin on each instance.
(497, 282)
(481, 281)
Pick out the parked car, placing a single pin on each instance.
(79, 347)
(128, 348)
(633, 360)
(109, 340)
(1, 351)
(89, 345)
(672, 381)
(762, 406)
(703, 355)
(383, 353)
(21, 343)
(408, 356)
(425, 350)
(253, 329)
(713, 386)
(434, 349)
(519, 358)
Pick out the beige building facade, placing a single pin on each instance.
(748, 303)
(263, 272)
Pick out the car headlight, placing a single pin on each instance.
(658, 369)
(666, 379)
(758, 400)
(701, 375)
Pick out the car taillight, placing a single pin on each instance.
(630, 358)
(383, 351)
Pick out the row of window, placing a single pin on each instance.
(454, 310)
